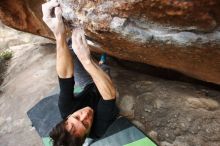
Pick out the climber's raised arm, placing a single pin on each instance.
(100, 78)
(64, 64)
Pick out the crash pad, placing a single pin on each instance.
(123, 133)
(45, 115)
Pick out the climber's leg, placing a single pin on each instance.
(82, 78)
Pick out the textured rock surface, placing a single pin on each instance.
(24, 15)
(180, 35)
(172, 114)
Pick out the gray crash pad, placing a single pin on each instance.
(45, 115)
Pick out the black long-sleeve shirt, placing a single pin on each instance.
(105, 111)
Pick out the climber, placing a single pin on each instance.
(91, 112)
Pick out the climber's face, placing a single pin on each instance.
(79, 123)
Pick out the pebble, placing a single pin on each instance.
(147, 110)
(153, 134)
(189, 119)
(126, 105)
(139, 125)
(207, 131)
(165, 143)
(205, 103)
(183, 125)
(32, 129)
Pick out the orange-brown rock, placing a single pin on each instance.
(24, 15)
(180, 35)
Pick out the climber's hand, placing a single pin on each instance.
(54, 23)
(80, 46)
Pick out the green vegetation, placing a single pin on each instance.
(6, 55)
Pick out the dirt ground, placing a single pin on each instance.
(173, 113)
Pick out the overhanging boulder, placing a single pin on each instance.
(24, 15)
(179, 35)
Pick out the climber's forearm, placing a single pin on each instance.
(101, 79)
(64, 64)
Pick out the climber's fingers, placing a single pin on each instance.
(48, 7)
(76, 36)
(58, 13)
(52, 16)
(83, 38)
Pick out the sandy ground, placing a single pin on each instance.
(173, 113)
(30, 76)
